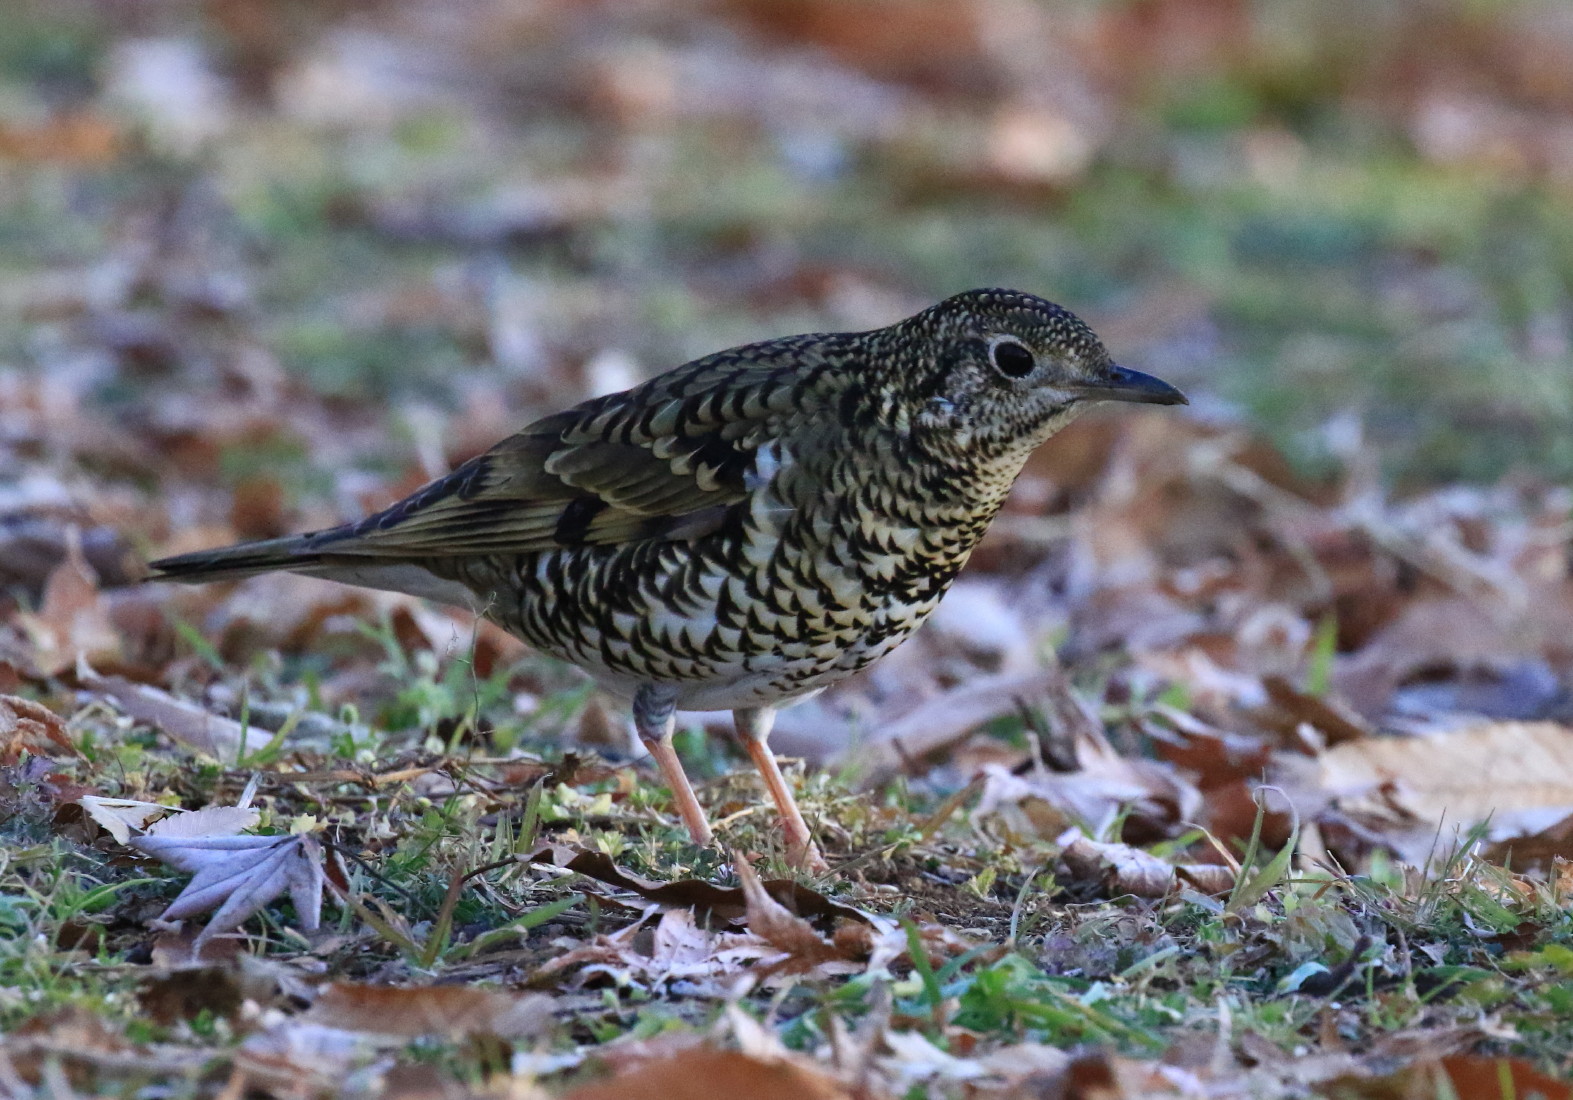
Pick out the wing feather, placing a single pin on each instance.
(664, 460)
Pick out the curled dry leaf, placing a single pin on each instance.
(26, 726)
(449, 1011)
(804, 948)
(1122, 869)
(119, 816)
(706, 900)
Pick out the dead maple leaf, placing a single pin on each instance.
(238, 875)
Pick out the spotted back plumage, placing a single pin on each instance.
(749, 527)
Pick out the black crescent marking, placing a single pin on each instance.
(574, 523)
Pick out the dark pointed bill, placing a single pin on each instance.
(1124, 384)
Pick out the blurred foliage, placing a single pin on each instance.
(1294, 210)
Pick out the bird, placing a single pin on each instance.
(744, 530)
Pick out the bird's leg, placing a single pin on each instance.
(753, 727)
(655, 716)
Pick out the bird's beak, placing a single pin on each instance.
(1124, 384)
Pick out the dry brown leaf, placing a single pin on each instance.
(676, 949)
(185, 993)
(1458, 634)
(26, 726)
(119, 816)
(1292, 707)
(782, 929)
(449, 1011)
(1123, 869)
(706, 1073)
(1517, 774)
(1467, 1076)
(222, 738)
(72, 621)
(707, 900)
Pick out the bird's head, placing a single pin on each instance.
(1000, 371)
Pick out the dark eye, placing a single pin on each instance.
(1012, 359)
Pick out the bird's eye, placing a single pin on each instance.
(1012, 359)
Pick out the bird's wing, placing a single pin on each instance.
(664, 460)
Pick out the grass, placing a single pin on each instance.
(1289, 960)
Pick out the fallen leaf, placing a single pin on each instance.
(1290, 707)
(26, 726)
(706, 1073)
(209, 821)
(183, 994)
(119, 816)
(238, 875)
(729, 904)
(1123, 869)
(677, 949)
(411, 1012)
(1519, 775)
(221, 738)
(72, 622)
(303, 1060)
(782, 929)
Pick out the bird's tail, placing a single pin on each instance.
(301, 554)
(232, 563)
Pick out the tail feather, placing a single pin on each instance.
(295, 554)
(232, 563)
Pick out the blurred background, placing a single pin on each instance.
(266, 264)
(441, 219)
